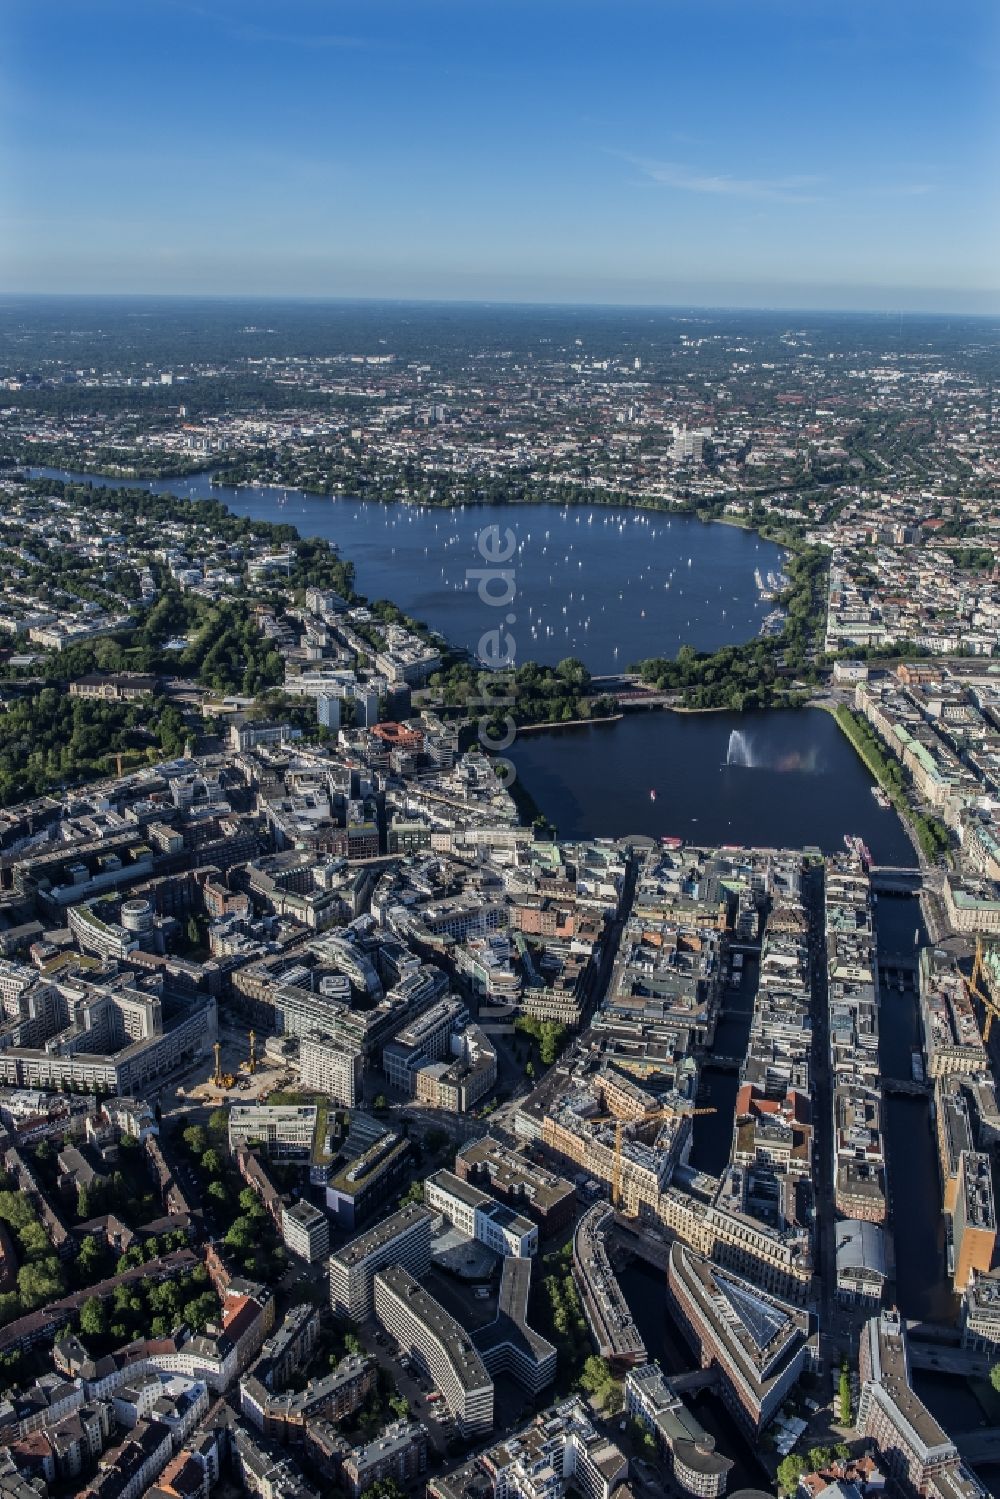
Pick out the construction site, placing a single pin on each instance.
(240, 1068)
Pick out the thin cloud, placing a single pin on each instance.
(911, 190)
(687, 179)
(294, 39)
(241, 31)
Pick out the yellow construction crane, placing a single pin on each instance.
(616, 1178)
(253, 1053)
(978, 987)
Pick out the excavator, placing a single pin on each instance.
(250, 1065)
(221, 1079)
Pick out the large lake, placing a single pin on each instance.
(610, 586)
(798, 781)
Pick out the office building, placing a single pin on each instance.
(980, 1313)
(306, 1231)
(861, 1262)
(479, 1216)
(697, 1467)
(283, 1131)
(974, 1220)
(404, 1238)
(549, 1200)
(913, 1447)
(509, 1344)
(442, 1346)
(759, 1344)
(367, 1180)
(611, 1323)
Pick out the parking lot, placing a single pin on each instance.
(411, 1383)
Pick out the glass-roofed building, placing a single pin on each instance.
(759, 1343)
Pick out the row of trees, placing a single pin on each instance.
(561, 1316)
(931, 834)
(40, 1277)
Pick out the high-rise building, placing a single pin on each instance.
(442, 1346)
(328, 710)
(306, 1231)
(404, 1238)
(331, 1068)
(366, 708)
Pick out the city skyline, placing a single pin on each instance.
(500, 749)
(714, 155)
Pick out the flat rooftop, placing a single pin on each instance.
(382, 1233)
(451, 1335)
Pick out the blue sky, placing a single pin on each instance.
(807, 153)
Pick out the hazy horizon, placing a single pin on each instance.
(882, 310)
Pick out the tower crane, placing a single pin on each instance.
(253, 1053)
(978, 987)
(616, 1178)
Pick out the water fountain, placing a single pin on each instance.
(740, 750)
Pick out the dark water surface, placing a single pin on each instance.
(712, 1134)
(645, 1290)
(923, 1288)
(804, 784)
(609, 585)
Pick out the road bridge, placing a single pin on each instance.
(723, 1063)
(898, 962)
(630, 700)
(648, 1247)
(698, 1379)
(895, 879)
(964, 1363)
(907, 1087)
(979, 1446)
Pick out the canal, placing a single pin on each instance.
(962, 1405)
(712, 1134)
(923, 1288)
(645, 1290)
